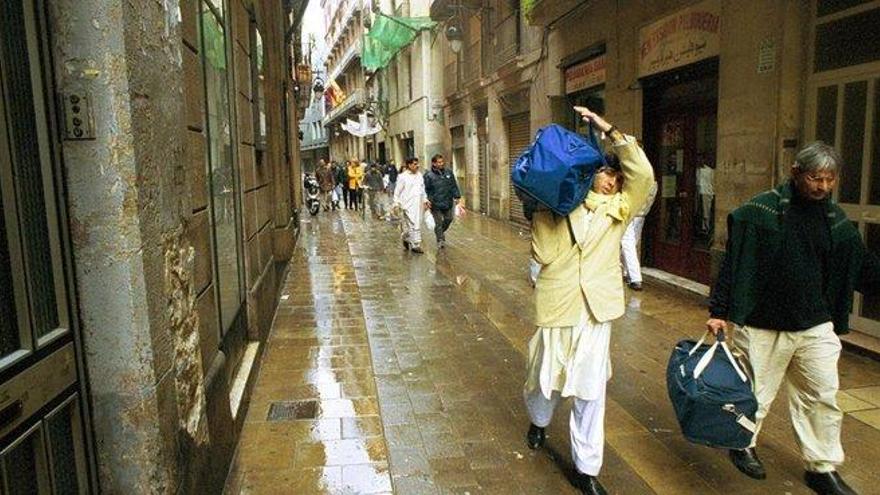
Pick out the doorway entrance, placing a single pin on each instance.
(44, 432)
(680, 122)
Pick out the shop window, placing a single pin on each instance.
(853, 139)
(826, 118)
(848, 41)
(871, 302)
(594, 99)
(874, 196)
(827, 7)
(220, 162)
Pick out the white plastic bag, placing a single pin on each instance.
(429, 220)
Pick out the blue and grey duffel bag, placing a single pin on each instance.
(556, 171)
(711, 395)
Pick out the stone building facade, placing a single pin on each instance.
(346, 92)
(409, 94)
(151, 142)
(722, 93)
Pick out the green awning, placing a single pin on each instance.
(388, 35)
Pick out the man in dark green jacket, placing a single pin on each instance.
(793, 261)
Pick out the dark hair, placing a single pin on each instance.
(411, 159)
(436, 157)
(612, 161)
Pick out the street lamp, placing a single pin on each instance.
(455, 37)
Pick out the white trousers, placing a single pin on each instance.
(629, 251)
(806, 362)
(410, 230)
(586, 426)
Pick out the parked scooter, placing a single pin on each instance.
(313, 200)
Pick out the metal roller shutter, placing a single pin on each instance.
(518, 136)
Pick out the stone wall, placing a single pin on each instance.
(160, 369)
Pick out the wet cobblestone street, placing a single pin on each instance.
(390, 372)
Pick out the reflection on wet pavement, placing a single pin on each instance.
(388, 372)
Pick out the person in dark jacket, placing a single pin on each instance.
(391, 172)
(326, 181)
(342, 182)
(793, 261)
(443, 194)
(374, 191)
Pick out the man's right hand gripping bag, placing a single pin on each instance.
(557, 170)
(711, 395)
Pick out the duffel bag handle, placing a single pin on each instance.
(704, 361)
(595, 142)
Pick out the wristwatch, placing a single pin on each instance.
(614, 134)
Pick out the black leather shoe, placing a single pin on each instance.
(406, 245)
(589, 485)
(535, 438)
(635, 285)
(746, 460)
(827, 483)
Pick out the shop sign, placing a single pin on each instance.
(688, 36)
(585, 74)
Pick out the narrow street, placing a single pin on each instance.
(388, 372)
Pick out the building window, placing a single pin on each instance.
(409, 74)
(221, 170)
(847, 41)
(33, 301)
(594, 99)
(258, 78)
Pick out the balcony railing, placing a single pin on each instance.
(450, 78)
(351, 6)
(353, 51)
(354, 99)
(473, 63)
(506, 39)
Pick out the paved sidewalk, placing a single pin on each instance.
(392, 372)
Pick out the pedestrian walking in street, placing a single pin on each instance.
(375, 191)
(342, 183)
(326, 183)
(409, 200)
(443, 195)
(391, 172)
(629, 251)
(361, 197)
(354, 184)
(786, 285)
(578, 292)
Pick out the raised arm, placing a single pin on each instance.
(637, 171)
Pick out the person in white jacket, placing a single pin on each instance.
(410, 198)
(629, 253)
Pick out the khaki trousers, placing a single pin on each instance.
(806, 362)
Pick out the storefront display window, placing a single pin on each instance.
(594, 99)
(220, 161)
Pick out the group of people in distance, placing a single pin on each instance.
(411, 192)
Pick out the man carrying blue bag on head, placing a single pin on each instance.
(793, 261)
(578, 293)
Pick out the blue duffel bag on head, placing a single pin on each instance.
(711, 395)
(556, 171)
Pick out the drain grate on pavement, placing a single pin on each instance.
(289, 411)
